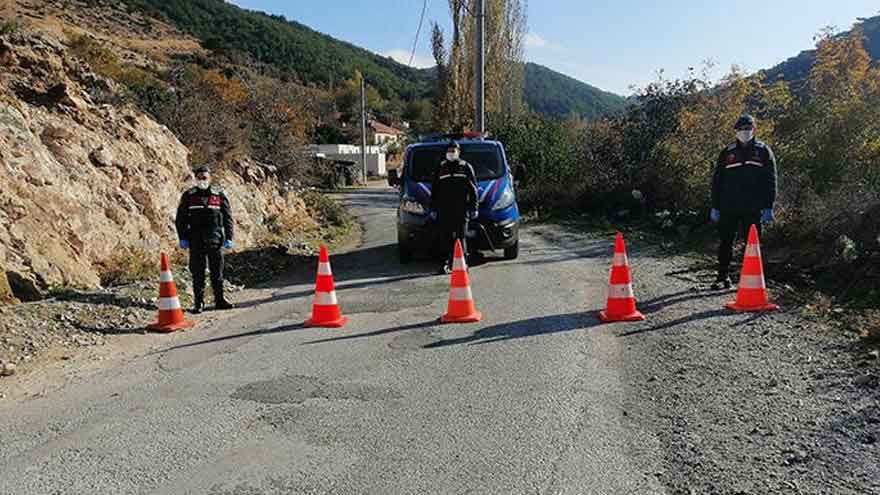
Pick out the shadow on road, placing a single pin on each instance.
(659, 303)
(704, 315)
(253, 333)
(403, 328)
(543, 325)
(367, 267)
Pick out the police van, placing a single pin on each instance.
(497, 226)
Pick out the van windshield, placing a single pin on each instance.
(485, 158)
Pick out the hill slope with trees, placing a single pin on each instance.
(554, 94)
(797, 68)
(316, 59)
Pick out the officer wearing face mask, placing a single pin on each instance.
(453, 201)
(205, 227)
(743, 191)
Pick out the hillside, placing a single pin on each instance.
(309, 56)
(798, 67)
(558, 95)
(318, 59)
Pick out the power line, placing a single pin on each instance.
(418, 32)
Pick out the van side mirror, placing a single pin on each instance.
(394, 177)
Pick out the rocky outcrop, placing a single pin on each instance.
(79, 179)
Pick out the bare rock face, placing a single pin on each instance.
(79, 180)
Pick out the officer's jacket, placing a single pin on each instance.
(454, 191)
(204, 217)
(744, 178)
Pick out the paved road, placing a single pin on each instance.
(529, 401)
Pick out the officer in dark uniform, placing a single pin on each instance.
(454, 201)
(205, 227)
(743, 191)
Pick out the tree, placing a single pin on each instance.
(505, 31)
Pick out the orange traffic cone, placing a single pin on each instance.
(752, 292)
(170, 315)
(621, 304)
(461, 307)
(325, 309)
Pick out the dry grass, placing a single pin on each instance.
(126, 265)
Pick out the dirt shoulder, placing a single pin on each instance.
(76, 333)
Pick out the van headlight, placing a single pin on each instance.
(410, 205)
(505, 201)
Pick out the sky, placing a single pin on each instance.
(614, 45)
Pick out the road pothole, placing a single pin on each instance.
(413, 341)
(296, 389)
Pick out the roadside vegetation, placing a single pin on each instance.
(655, 161)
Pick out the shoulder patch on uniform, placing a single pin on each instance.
(731, 147)
(192, 190)
(760, 144)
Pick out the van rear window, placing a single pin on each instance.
(485, 158)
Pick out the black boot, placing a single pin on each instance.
(220, 302)
(722, 282)
(198, 304)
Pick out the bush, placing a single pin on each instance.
(12, 26)
(328, 213)
(126, 265)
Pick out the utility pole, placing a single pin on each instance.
(364, 128)
(480, 69)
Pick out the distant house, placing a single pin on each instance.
(385, 134)
(349, 152)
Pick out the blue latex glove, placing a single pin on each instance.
(227, 244)
(432, 215)
(767, 215)
(715, 215)
(184, 244)
(473, 214)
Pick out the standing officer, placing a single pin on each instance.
(743, 191)
(205, 227)
(453, 201)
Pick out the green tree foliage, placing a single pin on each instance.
(311, 57)
(505, 29)
(825, 132)
(797, 69)
(551, 93)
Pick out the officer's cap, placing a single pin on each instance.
(453, 145)
(201, 169)
(744, 120)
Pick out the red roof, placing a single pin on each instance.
(384, 129)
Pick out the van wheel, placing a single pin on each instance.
(512, 252)
(404, 254)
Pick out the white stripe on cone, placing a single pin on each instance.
(166, 277)
(619, 259)
(169, 303)
(324, 269)
(752, 282)
(325, 298)
(459, 265)
(753, 251)
(620, 291)
(460, 294)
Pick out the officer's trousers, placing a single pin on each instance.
(729, 225)
(448, 235)
(199, 258)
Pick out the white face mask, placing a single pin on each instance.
(451, 157)
(203, 184)
(745, 136)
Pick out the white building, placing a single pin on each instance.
(350, 152)
(384, 135)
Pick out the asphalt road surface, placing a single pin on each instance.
(532, 400)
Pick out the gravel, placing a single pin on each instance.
(748, 404)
